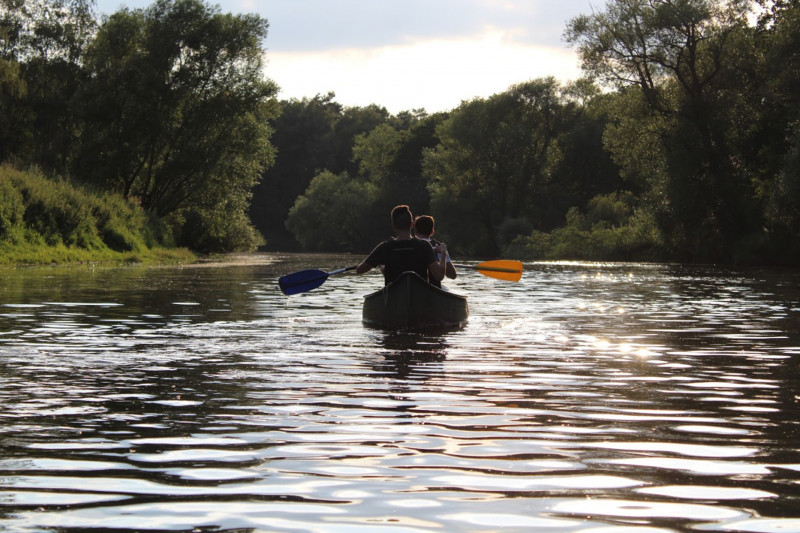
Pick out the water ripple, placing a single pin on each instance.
(588, 397)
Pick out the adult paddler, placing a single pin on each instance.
(406, 253)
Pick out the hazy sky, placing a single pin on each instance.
(408, 54)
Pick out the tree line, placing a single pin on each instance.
(681, 142)
(165, 106)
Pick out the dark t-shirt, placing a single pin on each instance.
(398, 256)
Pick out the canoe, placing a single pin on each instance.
(411, 302)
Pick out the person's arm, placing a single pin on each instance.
(450, 271)
(375, 258)
(363, 267)
(438, 267)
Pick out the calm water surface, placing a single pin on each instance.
(584, 398)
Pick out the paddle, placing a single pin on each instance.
(306, 280)
(504, 269)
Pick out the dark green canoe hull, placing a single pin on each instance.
(413, 303)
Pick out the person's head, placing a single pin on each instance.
(423, 225)
(402, 219)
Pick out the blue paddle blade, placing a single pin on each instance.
(302, 281)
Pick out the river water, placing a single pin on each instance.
(586, 397)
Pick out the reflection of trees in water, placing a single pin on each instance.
(116, 401)
(219, 292)
(705, 385)
(404, 353)
(692, 321)
(111, 353)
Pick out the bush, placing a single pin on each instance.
(12, 209)
(511, 228)
(337, 212)
(535, 246)
(217, 231)
(45, 218)
(615, 208)
(613, 230)
(122, 226)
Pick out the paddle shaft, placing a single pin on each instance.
(340, 270)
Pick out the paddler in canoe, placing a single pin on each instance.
(406, 253)
(407, 299)
(424, 229)
(402, 254)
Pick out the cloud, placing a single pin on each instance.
(409, 54)
(435, 74)
(303, 25)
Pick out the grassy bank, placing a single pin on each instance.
(51, 221)
(28, 254)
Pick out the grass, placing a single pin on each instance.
(42, 254)
(46, 221)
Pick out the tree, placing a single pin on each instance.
(312, 135)
(376, 151)
(42, 46)
(493, 163)
(353, 121)
(390, 159)
(681, 54)
(584, 167)
(177, 113)
(776, 141)
(407, 183)
(338, 212)
(12, 118)
(334, 214)
(303, 140)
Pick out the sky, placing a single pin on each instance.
(408, 54)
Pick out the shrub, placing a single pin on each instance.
(613, 230)
(511, 228)
(12, 208)
(57, 212)
(215, 231)
(615, 208)
(45, 220)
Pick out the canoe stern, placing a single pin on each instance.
(412, 303)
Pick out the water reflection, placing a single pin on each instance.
(416, 355)
(585, 398)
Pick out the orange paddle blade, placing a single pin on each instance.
(505, 269)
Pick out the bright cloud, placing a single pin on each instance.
(435, 74)
(408, 54)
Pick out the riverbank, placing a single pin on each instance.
(12, 255)
(47, 221)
